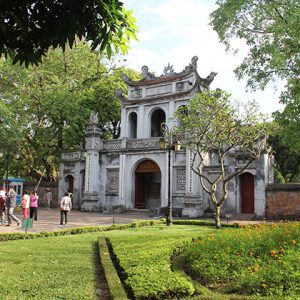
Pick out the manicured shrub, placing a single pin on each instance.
(116, 289)
(78, 230)
(144, 261)
(261, 260)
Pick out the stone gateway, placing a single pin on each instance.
(132, 171)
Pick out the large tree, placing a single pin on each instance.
(270, 30)
(287, 156)
(51, 104)
(215, 129)
(28, 29)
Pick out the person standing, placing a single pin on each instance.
(25, 204)
(2, 205)
(33, 205)
(65, 207)
(11, 205)
(48, 197)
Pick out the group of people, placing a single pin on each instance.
(8, 205)
(29, 205)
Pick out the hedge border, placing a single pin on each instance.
(77, 230)
(88, 229)
(115, 285)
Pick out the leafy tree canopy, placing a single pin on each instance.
(287, 159)
(28, 29)
(49, 106)
(270, 29)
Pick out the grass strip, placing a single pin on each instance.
(115, 286)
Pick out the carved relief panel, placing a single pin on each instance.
(180, 179)
(113, 180)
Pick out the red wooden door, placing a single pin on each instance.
(141, 181)
(140, 193)
(247, 193)
(70, 181)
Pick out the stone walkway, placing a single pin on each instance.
(48, 220)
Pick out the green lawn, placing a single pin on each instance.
(64, 267)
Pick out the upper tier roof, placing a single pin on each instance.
(168, 84)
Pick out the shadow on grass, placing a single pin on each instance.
(120, 271)
(101, 286)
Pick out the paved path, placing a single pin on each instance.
(48, 220)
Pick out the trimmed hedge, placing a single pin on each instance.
(204, 223)
(78, 230)
(144, 262)
(115, 286)
(86, 229)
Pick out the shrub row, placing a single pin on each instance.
(144, 262)
(77, 230)
(204, 223)
(115, 286)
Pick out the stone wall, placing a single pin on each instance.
(283, 201)
(42, 190)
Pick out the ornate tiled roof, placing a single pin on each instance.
(169, 84)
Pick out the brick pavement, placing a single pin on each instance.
(48, 220)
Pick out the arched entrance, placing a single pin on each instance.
(247, 193)
(70, 184)
(157, 118)
(132, 125)
(147, 185)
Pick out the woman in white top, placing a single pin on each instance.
(25, 204)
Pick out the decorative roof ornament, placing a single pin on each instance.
(208, 80)
(126, 78)
(192, 65)
(168, 70)
(146, 74)
(93, 118)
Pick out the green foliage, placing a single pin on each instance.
(144, 258)
(287, 158)
(116, 289)
(270, 30)
(49, 106)
(30, 28)
(261, 261)
(214, 128)
(287, 140)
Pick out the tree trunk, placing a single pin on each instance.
(217, 217)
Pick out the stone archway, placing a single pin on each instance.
(132, 125)
(147, 185)
(70, 184)
(158, 117)
(247, 193)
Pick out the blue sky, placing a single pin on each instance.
(173, 31)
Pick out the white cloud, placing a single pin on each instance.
(173, 31)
